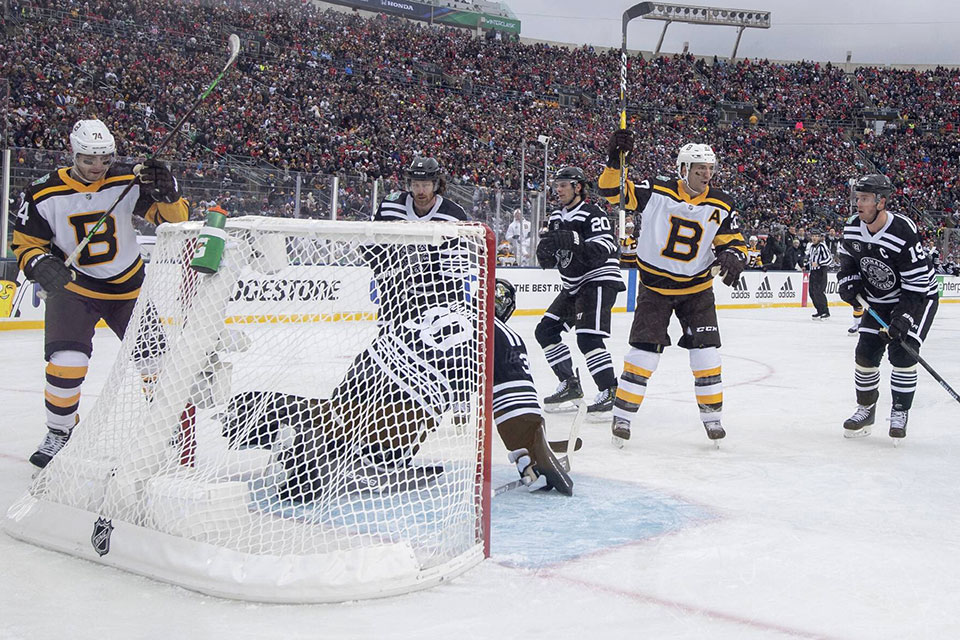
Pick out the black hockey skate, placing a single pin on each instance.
(602, 405)
(620, 427)
(858, 425)
(53, 441)
(854, 329)
(566, 397)
(898, 423)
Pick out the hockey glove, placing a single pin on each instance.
(568, 240)
(898, 328)
(49, 272)
(731, 264)
(157, 181)
(547, 251)
(620, 141)
(849, 288)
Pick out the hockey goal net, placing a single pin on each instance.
(307, 424)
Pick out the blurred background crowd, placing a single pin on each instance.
(327, 107)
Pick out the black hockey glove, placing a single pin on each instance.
(569, 240)
(158, 182)
(849, 288)
(620, 140)
(547, 251)
(731, 264)
(49, 272)
(899, 326)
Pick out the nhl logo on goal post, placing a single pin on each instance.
(100, 539)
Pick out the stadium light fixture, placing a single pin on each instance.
(719, 16)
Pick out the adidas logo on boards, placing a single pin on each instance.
(740, 289)
(786, 291)
(764, 292)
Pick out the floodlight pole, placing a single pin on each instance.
(662, 34)
(733, 56)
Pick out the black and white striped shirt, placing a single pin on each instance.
(597, 261)
(399, 206)
(819, 255)
(891, 263)
(513, 391)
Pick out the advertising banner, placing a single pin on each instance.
(405, 8)
(456, 17)
(315, 291)
(499, 23)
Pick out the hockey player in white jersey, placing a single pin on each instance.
(55, 214)
(689, 231)
(882, 259)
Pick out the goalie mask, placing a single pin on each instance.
(691, 154)
(505, 300)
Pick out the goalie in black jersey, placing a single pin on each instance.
(882, 259)
(396, 391)
(516, 409)
(581, 245)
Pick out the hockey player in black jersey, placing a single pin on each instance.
(412, 372)
(580, 243)
(423, 198)
(882, 259)
(516, 409)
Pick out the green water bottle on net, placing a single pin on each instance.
(210, 244)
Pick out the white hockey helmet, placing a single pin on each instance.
(691, 153)
(92, 138)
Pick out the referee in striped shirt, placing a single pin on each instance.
(820, 259)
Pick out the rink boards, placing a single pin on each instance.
(22, 307)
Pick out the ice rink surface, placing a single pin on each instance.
(787, 531)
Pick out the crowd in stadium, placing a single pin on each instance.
(323, 92)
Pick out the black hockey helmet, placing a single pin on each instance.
(575, 174)
(423, 169)
(505, 296)
(874, 183)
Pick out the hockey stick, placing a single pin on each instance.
(510, 486)
(234, 42)
(562, 446)
(22, 285)
(635, 11)
(910, 350)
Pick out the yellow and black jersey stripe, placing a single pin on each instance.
(681, 233)
(57, 212)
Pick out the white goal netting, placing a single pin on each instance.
(307, 424)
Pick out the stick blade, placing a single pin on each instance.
(234, 42)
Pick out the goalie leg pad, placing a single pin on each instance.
(548, 466)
